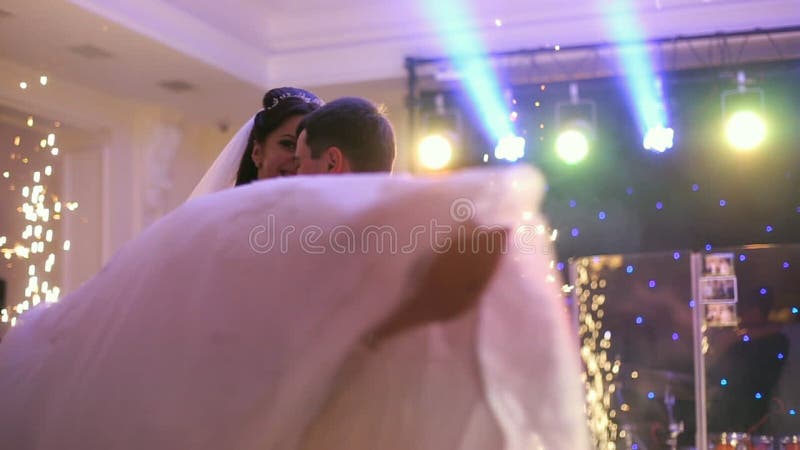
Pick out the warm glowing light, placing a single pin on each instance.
(435, 152)
(36, 210)
(745, 130)
(23, 85)
(600, 371)
(572, 146)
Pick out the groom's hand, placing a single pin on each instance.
(451, 285)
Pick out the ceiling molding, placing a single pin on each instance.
(333, 28)
(187, 34)
(321, 43)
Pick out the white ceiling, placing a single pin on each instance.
(37, 38)
(316, 42)
(235, 49)
(284, 25)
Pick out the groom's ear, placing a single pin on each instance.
(335, 161)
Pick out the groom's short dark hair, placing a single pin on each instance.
(357, 127)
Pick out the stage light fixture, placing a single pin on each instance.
(652, 107)
(743, 113)
(437, 150)
(576, 122)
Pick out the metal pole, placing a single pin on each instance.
(411, 105)
(701, 436)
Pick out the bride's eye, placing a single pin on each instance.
(287, 144)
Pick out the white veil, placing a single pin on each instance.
(222, 174)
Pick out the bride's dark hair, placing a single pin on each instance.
(279, 104)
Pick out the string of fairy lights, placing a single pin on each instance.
(599, 370)
(36, 246)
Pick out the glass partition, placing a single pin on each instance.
(751, 346)
(635, 323)
(685, 349)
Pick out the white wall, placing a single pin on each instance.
(82, 183)
(124, 179)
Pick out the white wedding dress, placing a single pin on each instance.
(198, 336)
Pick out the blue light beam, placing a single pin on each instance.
(463, 45)
(645, 90)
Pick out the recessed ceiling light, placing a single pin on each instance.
(177, 86)
(90, 51)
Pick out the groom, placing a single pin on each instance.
(345, 136)
(351, 135)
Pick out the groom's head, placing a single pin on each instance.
(346, 135)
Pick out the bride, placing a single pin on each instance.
(373, 325)
(264, 146)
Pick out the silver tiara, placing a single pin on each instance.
(301, 96)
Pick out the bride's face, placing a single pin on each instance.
(275, 156)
